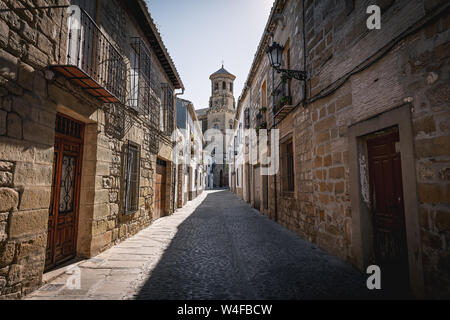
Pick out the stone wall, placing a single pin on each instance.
(349, 85)
(30, 96)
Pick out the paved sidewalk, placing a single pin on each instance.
(216, 247)
(113, 273)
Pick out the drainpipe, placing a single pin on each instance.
(250, 149)
(304, 53)
(275, 175)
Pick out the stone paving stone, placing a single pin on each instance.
(216, 247)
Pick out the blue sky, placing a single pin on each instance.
(199, 34)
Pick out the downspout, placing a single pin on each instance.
(304, 53)
(250, 173)
(275, 175)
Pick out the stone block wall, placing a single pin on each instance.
(349, 85)
(30, 96)
(27, 117)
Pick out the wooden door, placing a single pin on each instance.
(388, 216)
(160, 189)
(266, 191)
(189, 183)
(63, 211)
(257, 189)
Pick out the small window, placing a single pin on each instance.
(288, 173)
(132, 172)
(231, 87)
(224, 85)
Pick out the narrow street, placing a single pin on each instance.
(216, 247)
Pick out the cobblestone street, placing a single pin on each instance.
(216, 247)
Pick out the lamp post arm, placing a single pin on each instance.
(299, 75)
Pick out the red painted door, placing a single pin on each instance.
(63, 212)
(388, 215)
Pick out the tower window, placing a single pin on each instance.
(231, 87)
(216, 86)
(224, 85)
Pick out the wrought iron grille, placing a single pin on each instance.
(91, 60)
(167, 111)
(151, 142)
(117, 120)
(281, 97)
(68, 127)
(133, 152)
(142, 96)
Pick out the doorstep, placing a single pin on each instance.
(60, 270)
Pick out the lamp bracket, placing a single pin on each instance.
(289, 74)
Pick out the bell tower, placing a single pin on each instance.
(222, 90)
(221, 113)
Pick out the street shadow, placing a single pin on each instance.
(226, 251)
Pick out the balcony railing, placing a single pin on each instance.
(89, 59)
(282, 100)
(260, 120)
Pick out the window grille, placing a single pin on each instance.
(166, 110)
(133, 158)
(141, 96)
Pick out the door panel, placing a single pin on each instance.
(63, 211)
(257, 189)
(266, 191)
(388, 216)
(160, 189)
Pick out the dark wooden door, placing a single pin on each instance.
(257, 188)
(160, 188)
(63, 212)
(266, 191)
(388, 215)
(189, 183)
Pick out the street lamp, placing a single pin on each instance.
(275, 53)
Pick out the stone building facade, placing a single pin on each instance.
(191, 172)
(219, 117)
(87, 109)
(364, 142)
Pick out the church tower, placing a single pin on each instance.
(221, 113)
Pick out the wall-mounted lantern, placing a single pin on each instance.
(275, 53)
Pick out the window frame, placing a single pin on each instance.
(287, 167)
(128, 209)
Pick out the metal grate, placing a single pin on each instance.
(133, 152)
(281, 97)
(68, 127)
(90, 59)
(117, 120)
(167, 111)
